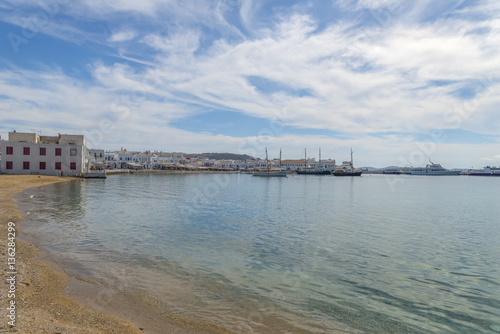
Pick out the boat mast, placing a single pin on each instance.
(351, 159)
(305, 158)
(280, 158)
(319, 163)
(267, 161)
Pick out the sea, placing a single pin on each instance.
(301, 254)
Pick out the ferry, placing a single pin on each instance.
(430, 169)
(486, 171)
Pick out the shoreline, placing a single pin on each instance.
(45, 296)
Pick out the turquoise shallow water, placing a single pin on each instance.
(379, 254)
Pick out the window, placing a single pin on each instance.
(72, 165)
(26, 151)
(58, 166)
(10, 150)
(9, 165)
(42, 165)
(43, 151)
(72, 152)
(58, 152)
(26, 165)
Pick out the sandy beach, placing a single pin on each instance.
(42, 306)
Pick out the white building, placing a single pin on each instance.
(30, 153)
(144, 160)
(208, 162)
(226, 164)
(95, 159)
(161, 160)
(111, 160)
(293, 165)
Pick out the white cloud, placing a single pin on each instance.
(122, 36)
(358, 82)
(493, 158)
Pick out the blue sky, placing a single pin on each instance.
(398, 81)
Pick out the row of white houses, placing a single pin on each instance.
(64, 154)
(176, 160)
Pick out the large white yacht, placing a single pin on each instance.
(430, 169)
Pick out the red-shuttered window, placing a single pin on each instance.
(10, 150)
(43, 165)
(9, 165)
(26, 150)
(43, 151)
(58, 166)
(72, 165)
(26, 165)
(58, 152)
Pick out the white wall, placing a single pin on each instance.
(34, 158)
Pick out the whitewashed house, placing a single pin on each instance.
(95, 159)
(225, 164)
(208, 162)
(144, 160)
(111, 160)
(30, 153)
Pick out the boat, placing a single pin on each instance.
(268, 172)
(314, 171)
(392, 171)
(347, 169)
(430, 169)
(486, 171)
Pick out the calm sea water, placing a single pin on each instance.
(378, 254)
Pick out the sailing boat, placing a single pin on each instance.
(347, 169)
(268, 172)
(314, 171)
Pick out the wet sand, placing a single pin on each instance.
(42, 306)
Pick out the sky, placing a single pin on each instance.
(401, 82)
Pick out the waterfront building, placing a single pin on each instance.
(299, 164)
(226, 164)
(30, 153)
(95, 159)
(143, 160)
(111, 160)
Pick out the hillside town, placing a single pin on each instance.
(65, 154)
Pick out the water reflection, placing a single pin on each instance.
(415, 259)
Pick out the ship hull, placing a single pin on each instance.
(314, 172)
(270, 174)
(433, 173)
(348, 174)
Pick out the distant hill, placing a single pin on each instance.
(222, 156)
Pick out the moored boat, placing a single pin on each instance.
(347, 169)
(268, 172)
(486, 171)
(392, 171)
(314, 171)
(430, 169)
